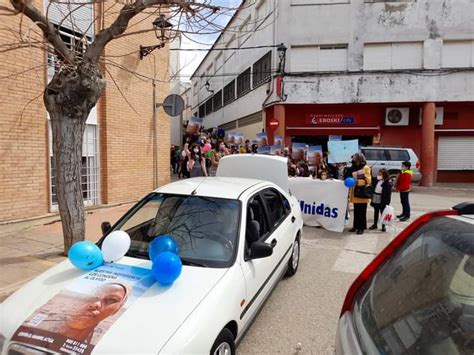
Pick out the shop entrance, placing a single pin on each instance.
(323, 140)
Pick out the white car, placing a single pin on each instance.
(236, 236)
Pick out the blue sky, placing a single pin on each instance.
(190, 60)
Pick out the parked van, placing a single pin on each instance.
(391, 158)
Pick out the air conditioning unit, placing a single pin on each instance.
(439, 116)
(397, 116)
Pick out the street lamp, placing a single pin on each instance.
(207, 85)
(163, 30)
(281, 50)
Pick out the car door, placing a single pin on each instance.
(261, 274)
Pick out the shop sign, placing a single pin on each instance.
(330, 119)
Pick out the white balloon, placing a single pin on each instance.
(115, 245)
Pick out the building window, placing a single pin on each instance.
(229, 92)
(245, 31)
(312, 58)
(217, 100)
(262, 70)
(202, 111)
(74, 42)
(262, 11)
(458, 54)
(208, 106)
(89, 168)
(219, 62)
(387, 56)
(243, 83)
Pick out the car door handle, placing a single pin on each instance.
(293, 219)
(382, 163)
(273, 243)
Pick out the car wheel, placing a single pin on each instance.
(295, 258)
(224, 344)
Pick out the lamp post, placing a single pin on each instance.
(281, 50)
(163, 29)
(207, 85)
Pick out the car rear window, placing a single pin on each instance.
(421, 301)
(398, 155)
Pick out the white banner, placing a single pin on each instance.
(323, 202)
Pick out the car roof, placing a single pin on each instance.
(384, 147)
(220, 187)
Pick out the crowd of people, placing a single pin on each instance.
(201, 153)
(200, 156)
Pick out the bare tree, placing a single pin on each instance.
(78, 81)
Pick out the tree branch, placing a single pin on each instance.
(128, 11)
(49, 31)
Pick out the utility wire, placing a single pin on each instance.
(221, 49)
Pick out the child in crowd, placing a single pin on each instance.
(404, 187)
(382, 196)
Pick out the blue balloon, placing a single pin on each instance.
(166, 267)
(85, 255)
(349, 182)
(162, 244)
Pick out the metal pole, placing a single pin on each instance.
(155, 153)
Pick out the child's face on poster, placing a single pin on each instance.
(106, 302)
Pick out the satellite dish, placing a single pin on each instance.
(173, 105)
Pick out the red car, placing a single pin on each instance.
(417, 295)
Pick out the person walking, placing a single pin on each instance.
(381, 197)
(184, 159)
(197, 162)
(404, 187)
(363, 177)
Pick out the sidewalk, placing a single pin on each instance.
(27, 250)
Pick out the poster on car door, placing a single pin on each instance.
(74, 320)
(322, 202)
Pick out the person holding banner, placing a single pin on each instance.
(358, 196)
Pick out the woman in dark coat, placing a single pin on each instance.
(382, 196)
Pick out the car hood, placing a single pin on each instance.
(143, 328)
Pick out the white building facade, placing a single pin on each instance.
(385, 72)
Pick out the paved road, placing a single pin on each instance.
(302, 312)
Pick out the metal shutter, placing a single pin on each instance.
(456, 153)
(77, 17)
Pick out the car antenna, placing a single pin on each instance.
(194, 192)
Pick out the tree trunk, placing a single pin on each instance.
(69, 97)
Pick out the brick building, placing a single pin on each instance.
(125, 150)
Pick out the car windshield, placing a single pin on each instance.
(421, 301)
(205, 228)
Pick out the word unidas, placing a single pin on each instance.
(321, 209)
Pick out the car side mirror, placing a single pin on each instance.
(260, 250)
(105, 227)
